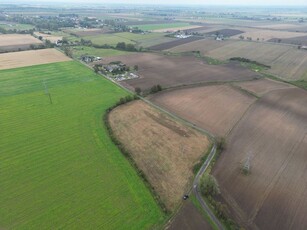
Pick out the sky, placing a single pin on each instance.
(182, 2)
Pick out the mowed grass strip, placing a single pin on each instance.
(59, 168)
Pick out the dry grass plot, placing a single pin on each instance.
(31, 57)
(13, 42)
(214, 108)
(274, 134)
(163, 149)
(49, 37)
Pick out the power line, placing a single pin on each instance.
(47, 92)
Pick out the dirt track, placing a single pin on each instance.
(176, 70)
(273, 134)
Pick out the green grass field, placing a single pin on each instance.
(161, 26)
(110, 39)
(16, 26)
(59, 168)
(144, 40)
(78, 51)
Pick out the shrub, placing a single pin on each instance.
(209, 185)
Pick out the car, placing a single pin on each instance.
(186, 196)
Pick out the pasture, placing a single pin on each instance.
(273, 135)
(14, 42)
(87, 32)
(31, 57)
(15, 26)
(215, 108)
(287, 62)
(162, 148)
(144, 40)
(78, 51)
(171, 71)
(59, 168)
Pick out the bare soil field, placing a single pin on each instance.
(49, 37)
(302, 40)
(286, 61)
(31, 57)
(179, 70)
(171, 44)
(14, 42)
(215, 108)
(226, 32)
(162, 148)
(203, 46)
(189, 218)
(263, 86)
(294, 27)
(265, 35)
(273, 134)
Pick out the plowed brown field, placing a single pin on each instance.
(286, 61)
(274, 134)
(214, 108)
(263, 86)
(177, 70)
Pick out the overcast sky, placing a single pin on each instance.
(177, 2)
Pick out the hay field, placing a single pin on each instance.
(273, 134)
(162, 148)
(171, 71)
(215, 108)
(263, 86)
(31, 57)
(49, 37)
(13, 42)
(59, 168)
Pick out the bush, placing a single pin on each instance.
(138, 90)
(155, 88)
(220, 144)
(209, 185)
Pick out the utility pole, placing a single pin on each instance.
(247, 164)
(47, 92)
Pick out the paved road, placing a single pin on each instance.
(196, 190)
